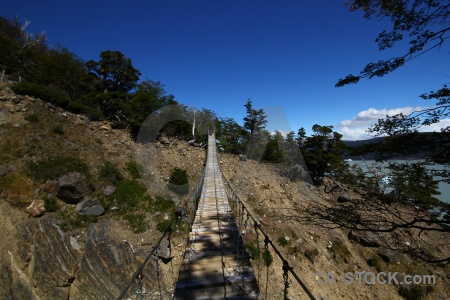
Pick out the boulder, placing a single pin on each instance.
(343, 198)
(365, 238)
(49, 186)
(164, 250)
(389, 256)
(89, 207)
(36, 208)
(3, 171)
(242, 157)
(109, 190)
(72, 187)
(164, 140)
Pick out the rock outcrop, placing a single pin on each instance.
(72, 187)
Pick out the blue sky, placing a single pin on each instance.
(286, 56)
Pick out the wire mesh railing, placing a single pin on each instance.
(185, 212)
(261, 245)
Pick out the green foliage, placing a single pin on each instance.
(267, 257)
(58, 129)
(136, 222)
(376, 262)
(340, 250)
(51, 204)
(32, 118)
(179, 181)
(253, 250)
(273, 153)
(282, 241)
(162, 205)
(230, 135)
(109, 172)
(115, 71)
(324, 153)
(130, 195)
(163, 225)
(412, 184)
(415, 292)
(48, 93)
(133, 168)
(54, 167)
(311, 254)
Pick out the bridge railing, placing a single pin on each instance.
(185, 211)
(243, 216)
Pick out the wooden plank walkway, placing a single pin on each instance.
(216, 265)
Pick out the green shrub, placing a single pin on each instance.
(253, 250)
(415, 292)
(282, 241)
(340, 250)
(163, 225)
(32, 118)
(375, 261)
(267, 257)
(133, 168)
(58, 129)
(48, 93)
(110, 173)
(179, 181)
(311, 254)
(54, 167)
(162, 205)
(136, 222)
(130, 195)
(51, 204)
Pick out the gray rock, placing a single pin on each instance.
(164, 140)
(164, 250)
(389, 256)
(89, 207)
(343, 198)
(3, 171)
(72, 187)
(109, 190)
(242, 157)
(5, 116)
(365, 238)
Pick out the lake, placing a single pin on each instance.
(444, 188)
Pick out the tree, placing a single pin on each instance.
(115, 70)
(422, 23)
(323, 152)
(229, 135)
(255, 121)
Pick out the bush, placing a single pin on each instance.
(162, 205)
(267, 257)
(253, 250)
(375, 261)
(282, 241)
(340, 250)
(136, 222)
(133, 168)
(311, 254)
(51, 94)
(58, 129)
(131, 195)
(110, 173)
(163, 225)
(32, 118)
(54, 167)
(179, 181)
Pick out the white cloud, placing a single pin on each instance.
(356, 128)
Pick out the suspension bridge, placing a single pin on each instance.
(215, 263)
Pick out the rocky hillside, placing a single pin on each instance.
(93, 221)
